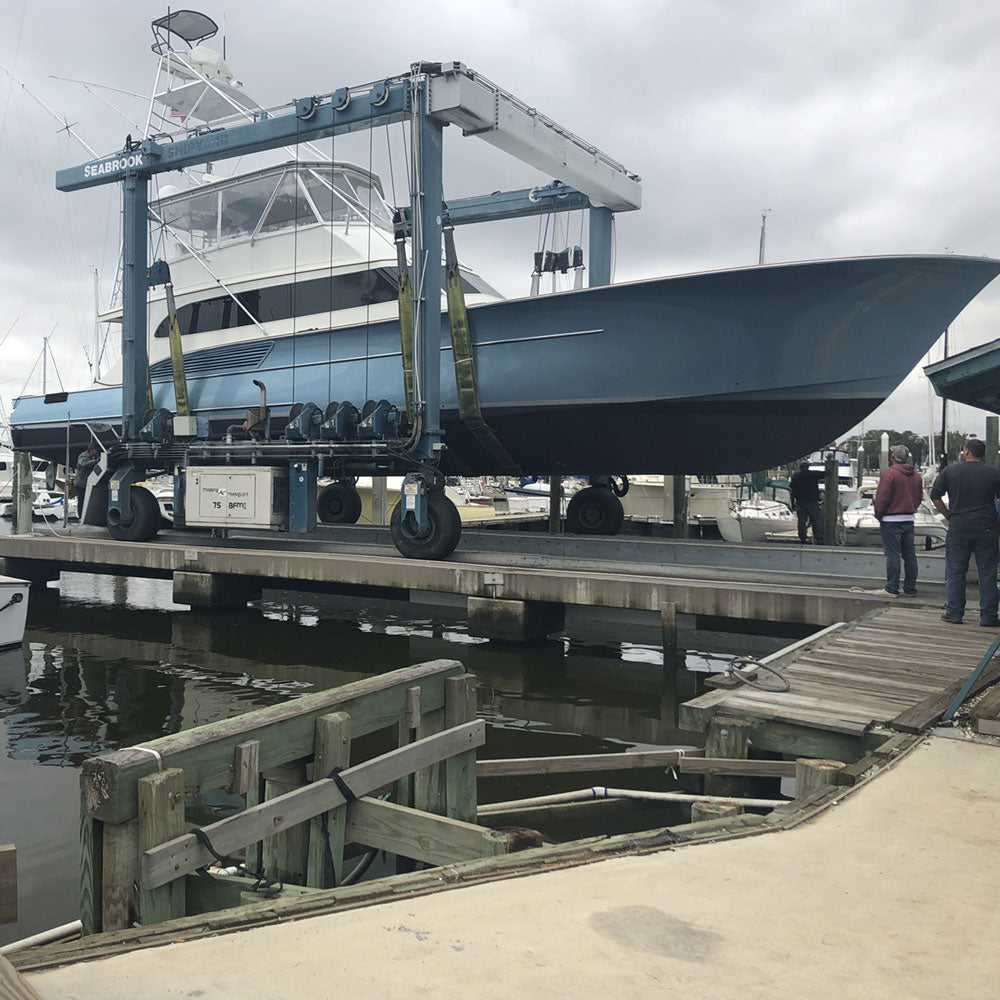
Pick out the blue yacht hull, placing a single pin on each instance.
(724, 371)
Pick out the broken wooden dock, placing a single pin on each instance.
(851, 686)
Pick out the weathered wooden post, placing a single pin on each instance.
(380, 512)
(680, 507)
(161, 818)
(22, 493)
(727, 737)
(813, 775)
(285, 855)
(831, 502)
(713, 810)
(333, 750)
(460, 770)
(246, 782)
(555, 504)
(8, 883)
(992, 440)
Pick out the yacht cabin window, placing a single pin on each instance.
(278, 199)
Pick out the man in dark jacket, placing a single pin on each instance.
(900, 491)
(804, 487)
(972, 487)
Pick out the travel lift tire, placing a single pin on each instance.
(594, 510)
(339, 503)
(145, 518)
(440, 541)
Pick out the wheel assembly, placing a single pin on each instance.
(595, 510)
(339, 503)
(145, 519)
(442, 536)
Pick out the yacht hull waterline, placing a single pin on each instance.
(714, 372)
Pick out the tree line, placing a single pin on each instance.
(872, 441)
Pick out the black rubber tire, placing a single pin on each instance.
(338, 503)
(595, 510)
(446, 529)
(145, 518)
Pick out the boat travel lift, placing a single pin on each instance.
(377, 441)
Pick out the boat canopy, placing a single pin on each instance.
(190, 25)
(279, 198)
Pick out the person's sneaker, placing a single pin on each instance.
(951, 621)
(993, 624)
(882, 592)
(910, 593)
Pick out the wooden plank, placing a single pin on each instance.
(727, 737)
(8, 884)
(286, 732)
(246, 782)
(91, 873)
(13, 986)
(333, 749)
(921, 715)
(724, 765)
(437, 840)
(628, 761)
(185, 854)
(161, 818)
(120, 868)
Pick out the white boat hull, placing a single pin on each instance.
(13, 610)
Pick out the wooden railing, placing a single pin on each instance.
(139, 856)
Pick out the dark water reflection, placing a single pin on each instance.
(110, 662)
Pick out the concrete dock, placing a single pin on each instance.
(891, 893)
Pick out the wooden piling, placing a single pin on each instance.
(992, 440)
(8, 884)
(246, 782)
(727, 738)
(326, 832)
(701, 811)
(460, 770)
(409, 730)
(120, 875)
(814, 774)
(22, 493)
(668, 628)
(161, 818)
(831, 502)
(680, 507)
(284, 856)
(555, 505)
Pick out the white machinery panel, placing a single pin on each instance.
(236, 496)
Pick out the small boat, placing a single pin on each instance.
(755, 519)
(929, 528)
(45, 505)
(13, 610)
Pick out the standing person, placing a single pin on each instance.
(897, 498)
(86, 461)
(972, 488)
(804, 487)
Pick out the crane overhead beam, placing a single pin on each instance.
(462, 97)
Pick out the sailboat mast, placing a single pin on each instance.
(45, 365)
(97, 328)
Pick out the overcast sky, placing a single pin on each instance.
(862, 127)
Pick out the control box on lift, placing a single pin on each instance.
(236, 496)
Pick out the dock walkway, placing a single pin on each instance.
(891, 893)
(894, 668)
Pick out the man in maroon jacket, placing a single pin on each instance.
(900, 491)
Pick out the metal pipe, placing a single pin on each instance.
(44, 937)
(600, 792)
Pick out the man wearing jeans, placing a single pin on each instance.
(897, 498)
(972, 488)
